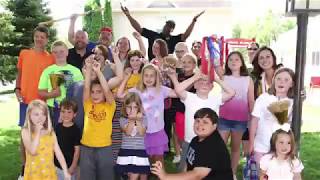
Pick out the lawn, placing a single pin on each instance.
(9, 141)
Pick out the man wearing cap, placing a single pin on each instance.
(105, 38)
(165, 34)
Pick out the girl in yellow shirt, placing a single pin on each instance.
(41, 144)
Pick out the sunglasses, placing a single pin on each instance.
(252, 49)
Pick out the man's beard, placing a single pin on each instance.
(80, 46)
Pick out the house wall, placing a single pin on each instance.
(213, 21)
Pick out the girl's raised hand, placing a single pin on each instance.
(139, 116)
(115, 51)
(96, 67)
(38, 127)
(128, 71)
(89, 61)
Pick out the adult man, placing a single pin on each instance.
(79, 52)
(105, 37)
(165, 34)
(30, 65)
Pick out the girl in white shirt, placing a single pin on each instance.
(263, 121)
(281, 162)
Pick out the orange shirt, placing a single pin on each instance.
(32, 63)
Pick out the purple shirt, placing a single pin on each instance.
(153, 104)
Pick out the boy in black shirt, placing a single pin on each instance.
(208, 157)
(68, 136)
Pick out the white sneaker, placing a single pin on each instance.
(234, 177)
(176, 159)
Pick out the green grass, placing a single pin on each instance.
(9, 154)
(10, 157)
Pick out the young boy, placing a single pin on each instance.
(189, 63)
(68, 136)
(208, 157)
(201, 99)
(31, 63)
(54, 95)
(99, 107)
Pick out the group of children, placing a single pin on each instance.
(203, 121)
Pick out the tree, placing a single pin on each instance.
(265, 29)
(7, 62)
(27, 14)
(16, 29)
(97, 19)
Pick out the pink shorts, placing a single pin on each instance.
(180, 125)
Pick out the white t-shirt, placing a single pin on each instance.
(192, 104)
(280, 170)
(267, 121)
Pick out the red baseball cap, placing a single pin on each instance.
(106, 29)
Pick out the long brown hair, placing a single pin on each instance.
(131, 54)
(272, 89)
(163, 47)
(131, 97)
(257, 70)
(243, 67)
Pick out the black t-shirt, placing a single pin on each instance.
(176, 101)
(75, 59)
(210, 153)
(152, 36)
(68, 138)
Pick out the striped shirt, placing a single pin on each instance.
(132, 142)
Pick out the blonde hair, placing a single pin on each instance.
(191, 57)
(140, 86)
(290, 92)
(43, 106)
(58, 43)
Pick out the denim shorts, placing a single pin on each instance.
(231, 125)
(22, 113)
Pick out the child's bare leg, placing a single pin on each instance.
(143, 177)
(176, 141)
(133, 176)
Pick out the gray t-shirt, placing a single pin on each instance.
(132, 142)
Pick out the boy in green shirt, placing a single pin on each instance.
(68, 75)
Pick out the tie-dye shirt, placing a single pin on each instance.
(237, 108)
(153, 104)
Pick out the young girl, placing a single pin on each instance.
(132, 70)
(159, 50)
(41, 144)
(152, 95)
(133, 126)
(131, 77)
(235, 113)
(263, 121)
(281, 162)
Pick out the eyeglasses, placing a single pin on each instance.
(179, 51)
(252, 49)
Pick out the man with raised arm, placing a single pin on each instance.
(165, 34)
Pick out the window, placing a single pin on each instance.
(316, 58)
